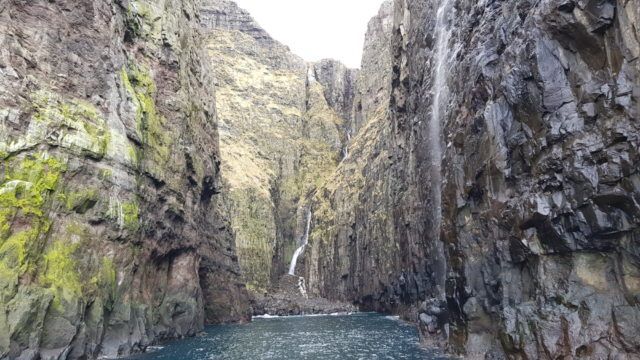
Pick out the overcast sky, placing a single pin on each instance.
(316, 29)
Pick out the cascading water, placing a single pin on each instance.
(345, 149)
(440, 91)
(305, 241)
(440, 94)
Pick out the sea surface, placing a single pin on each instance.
(358, 336)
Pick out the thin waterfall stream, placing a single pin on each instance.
(305, 241)
(440, 96)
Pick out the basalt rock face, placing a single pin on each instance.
(111, 232)
(283, 124)
(521, 240)
(370, 240)
(541, 200)
(373, 85)
(339, 84)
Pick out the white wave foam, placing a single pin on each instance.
(267, 316)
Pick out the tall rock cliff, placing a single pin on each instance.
(112, 235)
(495, 195)
(283, 128)
(371, 218)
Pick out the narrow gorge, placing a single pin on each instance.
(168, 164)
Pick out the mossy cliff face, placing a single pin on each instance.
(282, 128)
(529, 248)
(111, 230)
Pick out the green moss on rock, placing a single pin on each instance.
(105, 174)
(131, 215)
(60, 272)
(25, 189)
(81, 201)
(150, 125)
(80, 125)
(27, 183)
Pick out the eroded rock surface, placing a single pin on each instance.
(529, 249)
(111, 232)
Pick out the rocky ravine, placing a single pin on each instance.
(521, 240)
(284, 124)
(112, 235)
(479, 175)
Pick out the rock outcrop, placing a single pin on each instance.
(283, 128)
(112, 235)
(494, 195)
(290, 298)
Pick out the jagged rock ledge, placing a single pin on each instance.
(291, 299)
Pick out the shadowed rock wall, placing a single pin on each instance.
(536, 255)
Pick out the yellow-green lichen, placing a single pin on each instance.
(15, 251)
(71, 269)
(27, 183)
(81, 201)
(105, 174)
(131, 215)
(24, 191)
(133, 154)
(150, 124)
(80, 126)
(104, 281)
(60, 272)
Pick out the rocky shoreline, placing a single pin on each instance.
(282, 305)
(290, 299)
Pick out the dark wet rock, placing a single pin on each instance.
(537, 252)
(291, 298)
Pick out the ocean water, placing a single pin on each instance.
(359, 336)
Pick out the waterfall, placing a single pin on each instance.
(440, 94)
(305, 241)
(294, 260)
(345, 149)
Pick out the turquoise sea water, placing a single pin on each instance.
(357, 336)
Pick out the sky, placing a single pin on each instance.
(316, 29)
